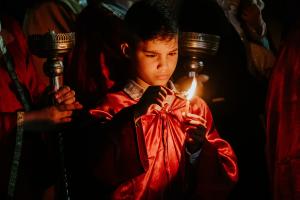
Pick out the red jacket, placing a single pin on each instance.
(146, 158)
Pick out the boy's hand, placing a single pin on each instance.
(153, 95)
(195, 130)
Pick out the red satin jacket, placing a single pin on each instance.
(146, 157)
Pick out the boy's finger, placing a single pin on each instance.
(194, 116)
(167, 90)
(163, 91)
(161, 96)
(158, 102)
(195, 122)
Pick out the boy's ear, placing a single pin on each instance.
(125, 49)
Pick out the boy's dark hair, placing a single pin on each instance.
(147, 20)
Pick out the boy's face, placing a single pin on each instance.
(154, 61)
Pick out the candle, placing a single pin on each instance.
(190, 93)
(187, 106)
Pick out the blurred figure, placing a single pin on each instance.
(97, 63)
(27, 168)
(45, 15)
(282, 107)
(246, 17)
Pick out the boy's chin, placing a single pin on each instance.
(161, 82)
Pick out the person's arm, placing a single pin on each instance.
(50, 117)
(44, 119)
(215, 171)
(12, 115)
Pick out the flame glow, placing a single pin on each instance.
(190, 93)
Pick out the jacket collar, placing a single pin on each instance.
(135, 91)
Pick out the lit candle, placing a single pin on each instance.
(190, 93)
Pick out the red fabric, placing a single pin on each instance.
(27, 75)
(283, 121)
(9, 103)
(148, 159)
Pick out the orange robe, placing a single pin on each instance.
(146, 158)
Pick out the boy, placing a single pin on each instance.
(152, 148)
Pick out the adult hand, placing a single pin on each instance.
(49, 117)
(58, 113)
(65, 95)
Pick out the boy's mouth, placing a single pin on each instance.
(163, 77)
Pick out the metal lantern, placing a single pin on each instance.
(196, 46)
(54, 46)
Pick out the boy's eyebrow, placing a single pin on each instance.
(176, 49)
(148, 51)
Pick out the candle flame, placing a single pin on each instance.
(190, 93)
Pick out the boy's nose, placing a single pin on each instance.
(163, 63)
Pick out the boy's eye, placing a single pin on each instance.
(173, 53)
(151, 55)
